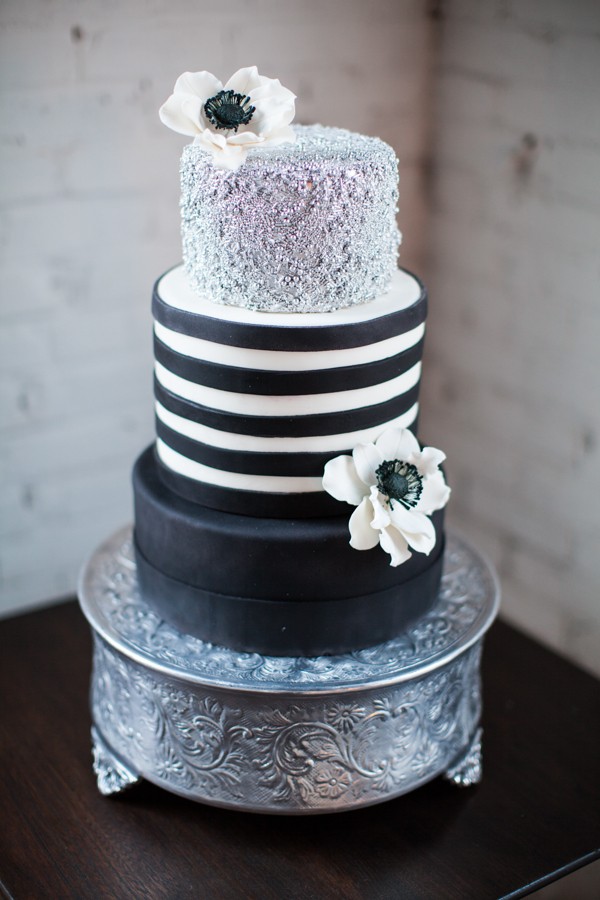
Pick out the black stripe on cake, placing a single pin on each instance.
(292, 338)
(308, 505)
(288, 426)
(246, 462)
(273, 383)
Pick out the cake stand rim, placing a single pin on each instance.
(474, 632)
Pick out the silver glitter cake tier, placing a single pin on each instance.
(303, 227)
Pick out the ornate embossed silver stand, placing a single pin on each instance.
(285, 735)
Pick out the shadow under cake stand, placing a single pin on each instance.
(281, 734)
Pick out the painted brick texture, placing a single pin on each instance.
(512, 374)
(89, 218)
(500, 209)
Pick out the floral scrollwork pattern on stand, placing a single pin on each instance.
(188, 741)
(307, 752)
(355, 750)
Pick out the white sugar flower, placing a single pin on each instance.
(251, 110)
(395, 486)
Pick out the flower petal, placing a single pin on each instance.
(269, 118)
(211, 139)
(434, 495)
(342, 482)
(245, 80)
(406, 519)
(367, 460)
(429, 460)
(362, 535)
(224, 156)
(393, 543)
(397, 443)
(285, 135)
(181, 113)
(417, 528)
(245, 137)
(200, 84)
(275, 106)
(381, 515)
(422, 543)
(273, 89)
(230, 157)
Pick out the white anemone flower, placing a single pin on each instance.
(249, 111)
(395, 486)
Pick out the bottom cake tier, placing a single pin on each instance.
(283, 587)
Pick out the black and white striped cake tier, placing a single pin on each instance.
(251, 405)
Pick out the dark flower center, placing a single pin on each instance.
(229, 110)
(399, 481)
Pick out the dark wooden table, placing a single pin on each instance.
(535, 816)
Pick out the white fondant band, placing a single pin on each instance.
(296, 405)
(320, 444)
(175, 290)
(284, 360)
(270, 484)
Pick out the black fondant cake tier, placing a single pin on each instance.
(277, 586)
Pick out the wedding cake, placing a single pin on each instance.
(286, 506)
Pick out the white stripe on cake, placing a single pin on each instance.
(288, 405)
(269, 484)
(336, 443)
(285, 360)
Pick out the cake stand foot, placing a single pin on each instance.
(112, 775)
(467, 769)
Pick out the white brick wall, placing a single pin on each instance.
(508, 160)
(512, 378)
(89, 218)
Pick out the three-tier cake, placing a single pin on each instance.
(285, 630)
(287, 340)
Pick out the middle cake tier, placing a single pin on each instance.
(251, 405)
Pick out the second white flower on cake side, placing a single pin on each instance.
(395, 486)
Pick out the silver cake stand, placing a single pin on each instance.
(278, 734)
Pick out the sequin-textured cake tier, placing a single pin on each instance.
(300, 227)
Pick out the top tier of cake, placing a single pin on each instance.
(302, 227)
